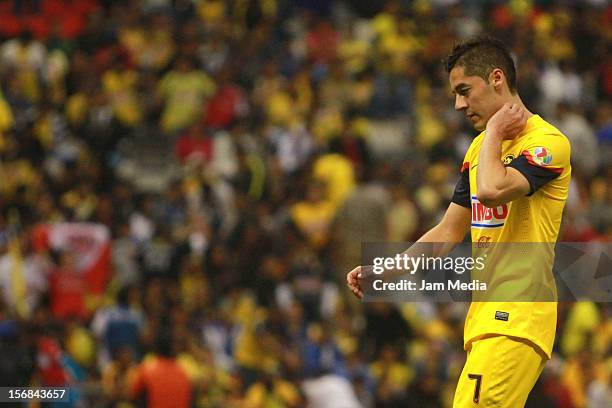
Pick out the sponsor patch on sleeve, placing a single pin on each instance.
(543, 156)
(539, 156)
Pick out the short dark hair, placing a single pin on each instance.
(480, 56)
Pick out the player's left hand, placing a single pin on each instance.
(508, 122)
(353, 281)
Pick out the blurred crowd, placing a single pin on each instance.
(237, 153)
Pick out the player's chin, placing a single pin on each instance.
(477, 122)
(479, 125)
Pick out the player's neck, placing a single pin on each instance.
(517, 99)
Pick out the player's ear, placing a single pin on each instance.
(497, 78)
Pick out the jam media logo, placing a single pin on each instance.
(542, 156)
(485, 217)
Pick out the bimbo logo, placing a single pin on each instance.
(485, 217)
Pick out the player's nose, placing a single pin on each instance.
(460, 103)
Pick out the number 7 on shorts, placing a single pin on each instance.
(478, 378)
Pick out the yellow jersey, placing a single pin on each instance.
(542, 154)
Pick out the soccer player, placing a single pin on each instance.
(513, 186)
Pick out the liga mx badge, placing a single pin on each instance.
(542, 156)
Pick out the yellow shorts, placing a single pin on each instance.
(500, 371)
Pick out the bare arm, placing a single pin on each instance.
(452, 228)
(496, 183)
(450, 231)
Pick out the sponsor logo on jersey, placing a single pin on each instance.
(508, 159)
(485, 217)
(542, 156)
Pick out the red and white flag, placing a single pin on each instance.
(89, 244)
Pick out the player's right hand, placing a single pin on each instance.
(354, 279)
(509, 121)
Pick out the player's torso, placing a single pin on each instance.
(489, 224)
(534, 218)
(530, 219)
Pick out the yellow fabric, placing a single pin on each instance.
(328, 123)
(360, 126)
(258, 175)
(115, 381)
(287, 392)
(602, 340)
(573, 379)
(195, 371)
(360, 96)
(313, 219)
(29, 84)
(354, 53)
(152, 48)
(509, 370)
(184, 94)
(437, 329)
(395, 375)
(521, 8)
(6, 115)
(16, 173)
(81, 347)
(430, 129)
(543, 24)
(582, 321)
(399, 47)
(269, 8)
(243, 311)
(43, 129)
(402, 221)
(133, 39)
(83, 206)
(384, 24)
(194, 287)
(303, 94)
(534, 218)
(120, 86)
(212, 11)
(256, 396)
(280, 108)
(77, 107)
(283, 394)
(157, 49)
(336, 171)
(250, 352)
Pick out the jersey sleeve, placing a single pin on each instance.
(461, 195)
(542, 160)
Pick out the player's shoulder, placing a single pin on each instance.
(545, 145)
(475, 145)
(540, 131)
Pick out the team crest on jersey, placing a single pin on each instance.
(508, 159)
(542, 156)
(485, 217)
